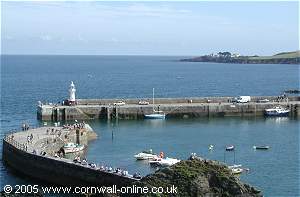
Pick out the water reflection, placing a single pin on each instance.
(155, 122)
(277, 120)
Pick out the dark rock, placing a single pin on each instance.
(199, 178)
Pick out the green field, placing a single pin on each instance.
(293, 54)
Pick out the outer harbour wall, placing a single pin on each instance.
(173, 107)
(56, 170)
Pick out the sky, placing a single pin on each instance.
(148, 28)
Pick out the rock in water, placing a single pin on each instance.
(197, 177)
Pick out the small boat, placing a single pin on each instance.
(277, 111)
(156, 114)
(146, 155)
(164, 162)
(261, 147)
(72, 147)
(236, 168)
(229, 148)
(211, 147)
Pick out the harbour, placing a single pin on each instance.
(148, 99)
(178, 135)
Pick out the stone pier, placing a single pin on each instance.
(173, 107)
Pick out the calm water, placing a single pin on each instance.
(27, 79)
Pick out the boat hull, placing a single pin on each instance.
(275, 114)
(155, 116)
(73, 149)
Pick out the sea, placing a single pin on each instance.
(27, 79)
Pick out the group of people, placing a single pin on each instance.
(53, 131)
(76, 125)
(25, 127)
(105, 168)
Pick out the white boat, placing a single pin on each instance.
(236, 169)
(72, 147)
(229, 148)
(235, 166)
(146, 155)
(164, 162)
(156, 114)
(277, 111)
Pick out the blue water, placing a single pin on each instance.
(28, 79)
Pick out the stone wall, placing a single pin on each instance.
(58, 171)
(173, 107)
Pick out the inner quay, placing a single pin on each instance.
(84, 109)
(37, 153)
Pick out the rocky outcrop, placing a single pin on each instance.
(197, 177)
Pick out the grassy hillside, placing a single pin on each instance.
(293, 54)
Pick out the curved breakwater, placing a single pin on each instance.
(23, 157)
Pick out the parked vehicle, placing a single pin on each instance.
(119, 103)
(264, 101)
(143, 102)
(242, 99)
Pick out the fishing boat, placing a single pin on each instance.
(146, 155)
(161, 162)
(156, 114)
(277, 111)
(72, 147)
(261, 147)
(229, 148)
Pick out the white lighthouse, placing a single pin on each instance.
(72, 91)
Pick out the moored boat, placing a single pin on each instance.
(72, 147)
(156, 114)
(236, 168)
(146, 155)
(261, 147)
(229, 148)
(277, 111)
(161, 162)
